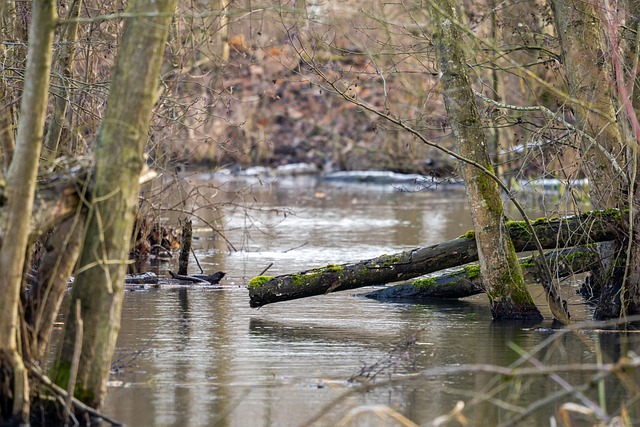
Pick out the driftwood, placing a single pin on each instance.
(466, 281)
(553, 233)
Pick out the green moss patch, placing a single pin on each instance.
(427, 282)
(469, 235)
(258, 281)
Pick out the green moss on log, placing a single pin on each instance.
(472, 271)
(335, 268)
(427, 282)
(469, 235)
(518, 228)
(258, 281)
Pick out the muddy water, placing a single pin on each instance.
(203, 357)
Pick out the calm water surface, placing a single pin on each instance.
(203, 357)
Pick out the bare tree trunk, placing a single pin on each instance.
(119, 161)
(45, 297)
(630, 303)
(7, 116)
(63, 73)
(594, 77)
(499, 267)
(590, 84)
(21, 184)
(185, 248)
(621, 293)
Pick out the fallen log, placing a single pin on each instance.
(466, 281)
(597, 226)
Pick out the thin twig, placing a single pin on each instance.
(197, 262)
(265, 270)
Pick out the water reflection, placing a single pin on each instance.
(203, 358)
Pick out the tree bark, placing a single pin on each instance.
(21, 184)
(607, 111)
(630, 303)
(501, 272)
(590, 83)
(119, 161)
(185, 249)
(466, 281)
(565, 232)
(52, 203)
(63, 74)
(45, 297)
(7, 111)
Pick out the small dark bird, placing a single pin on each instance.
(214, 278)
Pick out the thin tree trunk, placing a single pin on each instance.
(119, 158)
(7, 110)
(499, 267)
(566, 232)
(596, 78)
(45, 297)
(21, 184)
(620, 295)
(185, 248)
(63, 73)
(589, 82)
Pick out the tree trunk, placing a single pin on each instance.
(590, 84)
(63, 72)
(21, 184)
(45, 296)
(119, 158)
(499, 267)
(466, 281)
(566, 232)
(185, 248)
(597, 80)
(7, 116)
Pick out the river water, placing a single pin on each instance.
(202, 357)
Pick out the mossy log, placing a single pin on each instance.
(466, 281)
(553, 233)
